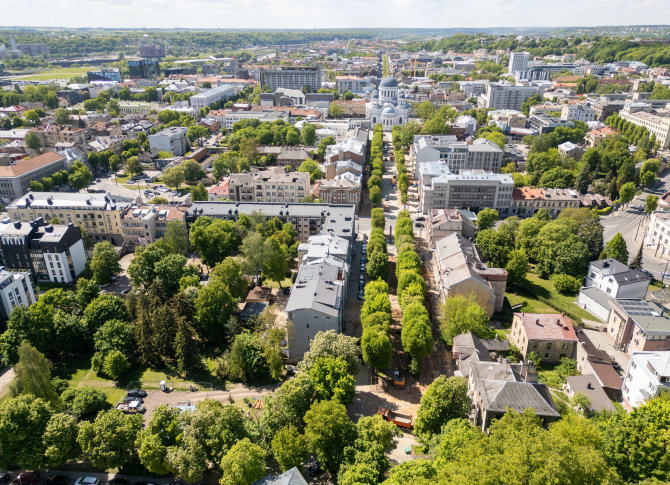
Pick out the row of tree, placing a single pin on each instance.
(376, 180)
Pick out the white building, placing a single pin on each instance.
(352, 84)
(647, 375)
(658, 234)
(292, 78)
(518, 61)
(228, 118)
(467, 122)
(139, 107)
(211, 96)
(456, 155)
(578, 112)
(503, 96)
(16, 289)
(473, 88)
(172, 139)
(474, 190)
(387, 106)
(658, 125)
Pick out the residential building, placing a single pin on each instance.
(469, 189)
(213, 95)
(497, 387)
(638, 325)
(53, 134)
(388, 105)
(569, 149)
(550, 335)
(340, 167)
(459, 270)
(468, 348)
(15, 178)
(319, 101)
(307, 219)
(292, 78)
(353, 84)
(324, 245)
(655, 124)
(292, 155)
(456, 155)
(472, 89)
(588, 385)
(227, 118)
(526, 201)
(594, 361)
(547, 124)
(442, 223)
(609, 279)
(502, 96)
(16, 289)
(595, 137)
(348, 149)
(352, 108)
(578, 112)
(658, 234)
(647, 375)
(289, 477)
(317, 303)
(518, 61)
(343, 189)
(172, 139)
(145, 224)
(218, 191)
(138, 107)
(52, 253)
(272, 185)
(98, 214)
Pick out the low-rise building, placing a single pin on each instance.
(324, 245)
(547, 124)
(15, 178)
(569, 149)
(657, 236)
(16, 289)
(468, 348)
(172, 139)
(272, 185)
(456, 155)
(352, 108)
(343, 189)
(647, 375)
(550, 335)
(594, 361)
(638, 325)
(53, 134)
(145, 224)
(578, 112)
(353, 84)
(595, 137)
(589, 386)
(138, 107)
(655, 124)
(460, 271)
(213, 95)
(526, 201)
(348, 149)
(443, 223)
(340, 167)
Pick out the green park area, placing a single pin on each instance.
(60, 73)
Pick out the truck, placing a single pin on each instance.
(132, 407)
(400, 420)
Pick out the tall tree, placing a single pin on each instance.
(23, 421)
(616, 248)
(445, 399)
(486, 218)
(243, 464)
(176, 236)
(329, 431)
(33, 375)
(636, 263)
(289, 447)
(109, 441)
(105, 262)
(377, 348)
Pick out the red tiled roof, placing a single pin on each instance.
(29, 164)
(527, 193)
(547, 326)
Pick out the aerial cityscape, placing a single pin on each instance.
(289, 253)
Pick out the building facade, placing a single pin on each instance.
(637, 325)
(456, 155)
(292, 78)
(552, 336)
(146, 224)
(388, 105)
(501, 96)
(211, 96)
(526, 201)
(647, 375)
(172, 139)
(15, 179)
(16, 289)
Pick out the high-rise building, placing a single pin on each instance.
(105, 74)
(502, 96)
(518, 61)
(143, 68)
(292, 78)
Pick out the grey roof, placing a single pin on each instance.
(51, 200)
(623, 275)
(318, 287)
(271, 209)
(389, 82)
(588, 384)
(597, 295)
(289, 477)
(646, 314)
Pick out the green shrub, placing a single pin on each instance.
(566, 284)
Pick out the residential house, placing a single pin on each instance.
(597, 362)
(638, 325)
(468, 348)
(550, 335)
(526, 201)
(142, 225)
(647, 375)
(16, 289)
(443, 223)
(589, 386)
(289, 477)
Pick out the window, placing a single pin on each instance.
(548, 345)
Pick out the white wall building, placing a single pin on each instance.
(658, 125)
(578, 112)
(456, 155)
(518, 61)
(503, 96)
(211, 96)
(172, 139)
(658, 234)
(647, 375)
(388, 106)
(16, 289)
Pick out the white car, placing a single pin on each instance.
(87, 481)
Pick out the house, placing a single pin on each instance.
(609, 279)
(460, 271)
(443, 223)
(569, 149)
(526, 201)
(219, 191)
(647, 375)
(551, 335)
(292, 155)
(588, 385)
(142, 225)
(638, 325)
(16, 289)
(468, 348)
(344, 189)
(496, 387)
(316, 303)
(289, 477)
(597, 362)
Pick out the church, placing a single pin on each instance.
(387, 106)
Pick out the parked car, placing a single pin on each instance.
(362, 278)
(5, 477)
(361, 294)
(87, 481)
(421, 218)
(57, 480)
(137, 393)
(118, 481)
(133, 398)
(26, 478)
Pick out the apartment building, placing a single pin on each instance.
(343, 189)
(16, 289)
(272, 185)
(658, 125)
(456, 155)
(172, 139)
(546, 124)
(647, 375)
(138, 107)
(53, 134)
(146, 224)
(526, 201)
(578, 112)
(550, 335)
(15, 178)
(348, 149)
(211, 96)
(474, 190)
(53, 253)
(658, 234)
(340, 167)
(292, 78)
(502, 96)
(353, 84)
(98, 214)
(518, 61)
(638, 325)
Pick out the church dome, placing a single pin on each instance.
(388, 111)
(402, 94)
(388, 82)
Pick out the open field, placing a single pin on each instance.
(61, 73)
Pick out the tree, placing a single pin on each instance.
(87, 291)
(444, 399)
(103, 309)
(486, 218)
(331, 344)
(332, 381)
(648, 179)
(313, 168)
(376, 347)
(84, 402)
(292, 136)
(616, 249)
(416, 334)
(60, 439)
(243, 464)
(33, 375)
(80, 176)
(197, 133)
(289, 447)
(495, 246)
(275, 260)
(377, 218)
(33, 141)
(230, 272)
(375, 195)
(308, 134)
(214, 239)
(566, 284)
(651, 204)
(134, 166)
(463, 314)
(583, 179)
(336, 111)
(115, 364)
(637, 260)
(213, 305)
(36, 186)
(377, 265)
(329, 431)
(199, 192)
(436, 126)
(109, 441)
(105, 262)
(425, 110)
(517, 266)
(23, 421)
(176, 236)
(174, 177)
(418, 472)
(627, 192)
(62, 116)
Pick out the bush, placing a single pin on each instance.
(566, 284)
(605, 211)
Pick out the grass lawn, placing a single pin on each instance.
(548, 374)
(286, 282)
(60, 73)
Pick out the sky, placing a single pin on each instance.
(330, 14)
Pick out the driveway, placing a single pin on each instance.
(603, 342)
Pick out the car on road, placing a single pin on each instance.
(5, 477)
(137, 393)
(421, 218)
(57, 480)
(361, 294)
(87, 481)
(362, 266)
(386, 198)
(26, 478)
